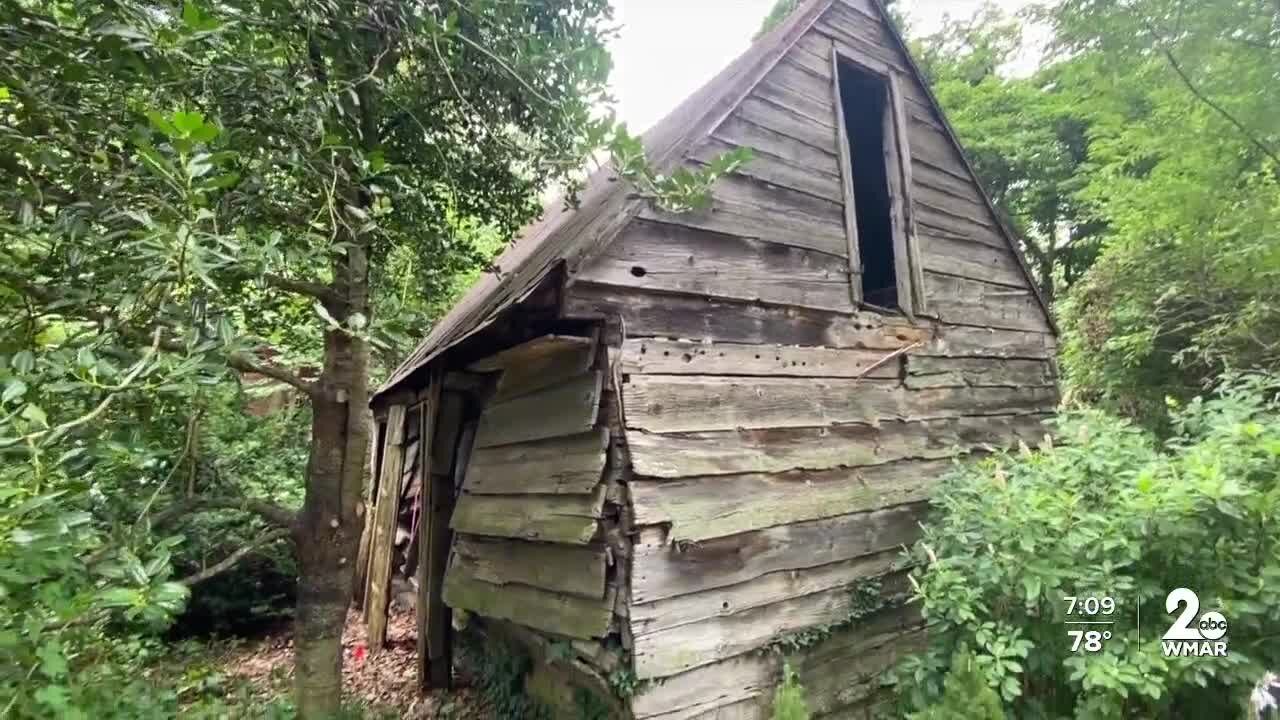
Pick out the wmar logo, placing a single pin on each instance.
(1189, 636)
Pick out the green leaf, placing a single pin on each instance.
(13, 390)
(35, 414)
(23, 361)
(188, 122)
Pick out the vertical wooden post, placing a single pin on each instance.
(382, 536)
(427, 613)
(846, 184)
(901, 140)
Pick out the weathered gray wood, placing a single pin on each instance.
(799, 81)
(662, 570)
(962, 258)
(548, 518)
(901, 154)
(437, 506)
(841, 679)
(666, 652)
(816, 110)
(940, 180)
(924, 371)
(539, 363)
(788, 121)
(850, 208)
(567, 569)
(683, 357)
(667, 315)
(377, 428)
(709, 691)
(769, 588)
(696, 507)
(539, 609)
(972, 302)
(820, 448)
(429, 574)
(448, 425)
(968, 341)
(738, 132)
(685, 403)
(384, 524)
(569, 408)
(741, 206)
(571, 464)
(770, 168)
(661, 256)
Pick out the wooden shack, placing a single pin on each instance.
(662, 452)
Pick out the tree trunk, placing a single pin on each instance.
(328, 529)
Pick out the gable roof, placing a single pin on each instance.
(606, 203)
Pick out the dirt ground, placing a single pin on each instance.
(384, 682)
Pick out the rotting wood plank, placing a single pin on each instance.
(686, 403)
(924, 371)
(571, 464)
(548, 518)
(384, 525)
(428, 601)
(742, 206)
(850, 205)
(815, 110)
(969, 341)
(537, 364)
(737, 132)
(972, 302)
(448, 425)
(926, 174)
(683, 357)
(758, 592)
(662, 256)
(696, 510)
(667, 652)
(788, 121)
(905, 192)
(770, 168)
(800, 81)
(977, 261)
(569, 408)
(670, 315)
(539, 609)
(568, 569)
(438, 506)
(844, 677)
(706, 691)
(820, 448)
(661, 570)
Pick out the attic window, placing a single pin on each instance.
(872, 157)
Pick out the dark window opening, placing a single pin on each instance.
(865, 98)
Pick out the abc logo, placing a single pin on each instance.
(1210, 626)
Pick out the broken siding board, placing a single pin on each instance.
(968, 341)
(660, 570)
(696, 510)
(569, 408)
(547, 518)
(539, 609)
(682, 357)
(668, 652)
(924, 371)
(685, 403)
(758, 592)
(382, 540)
(769, 168)
(820, 448)
(539, 363)
(571, 464)
(670, 315)
(567, 569)
(972, 302)
(744, 207)
(737, 132)
(661, 256)
(948, 256)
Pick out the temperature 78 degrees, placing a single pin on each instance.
(1090, 620)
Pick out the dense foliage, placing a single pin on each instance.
(1111, 511)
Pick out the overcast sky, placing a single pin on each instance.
(668, 48)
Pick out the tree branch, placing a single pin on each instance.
(1191, 86)
(244, 362)
(270, 512)
(234, 558)
(319, 291)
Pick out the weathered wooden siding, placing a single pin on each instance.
(782, 441)
(529, 520)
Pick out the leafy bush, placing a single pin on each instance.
(1112, 512)
(788, 698)
(966, 695)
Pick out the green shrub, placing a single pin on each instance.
(966, 694)
(788, 698)
(1110, 511)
